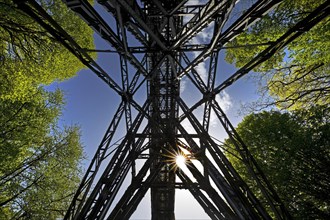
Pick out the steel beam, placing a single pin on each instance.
(208, 207)
(33, 9)
(301, 27)
(133, 9)
(293, 33)
(201, 20)
(97, 23)
(229, 182)
(135, 192)
(248, 18)
(252, 166)
(101, 153)
(102, 192)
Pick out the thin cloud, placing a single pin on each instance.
(204, 37)
(225, 102)
(183, 84)
(188, 127)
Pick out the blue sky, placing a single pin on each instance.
(91, 105)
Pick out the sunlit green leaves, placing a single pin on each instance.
(39, 163)
(300, 87)
(30, 56)
(39, 160)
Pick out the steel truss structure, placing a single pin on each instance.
(157, 61)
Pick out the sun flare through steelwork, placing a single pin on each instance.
(161, 46)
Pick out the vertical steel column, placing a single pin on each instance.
(163, 89)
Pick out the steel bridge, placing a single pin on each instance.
(156, 61)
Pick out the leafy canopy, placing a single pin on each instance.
(297, 76)
(39, 163)
(39, 160)
(29, 56)
(293, 151)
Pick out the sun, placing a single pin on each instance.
(180, 160)
(176, 159)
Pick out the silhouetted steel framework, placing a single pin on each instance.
(157, 60)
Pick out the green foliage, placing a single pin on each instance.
(293, 151)
(30, 56)
(302, 88)
(26, 123)
(57, 175)
(39, 164)
(298, 64)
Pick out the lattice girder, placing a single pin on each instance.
(157, 62)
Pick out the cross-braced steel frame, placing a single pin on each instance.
(157, 61)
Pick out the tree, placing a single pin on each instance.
(293, 151)
(26, 123)
(29, 56)
(39, 163)
(297, 76)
